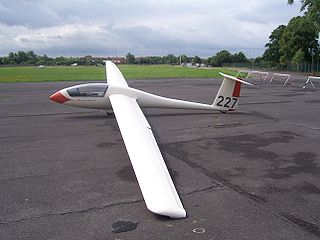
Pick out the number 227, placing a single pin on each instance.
(227, 102)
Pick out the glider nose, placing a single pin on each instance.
(59, 98)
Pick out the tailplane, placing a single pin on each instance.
(228, 95)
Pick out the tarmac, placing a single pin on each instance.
(250, 174)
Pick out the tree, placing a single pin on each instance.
(212, 61)
(156, 60)
(130, 58)
(22, 57)
(223, 56)
(299, 35)
(46, 60)
(272, 53)
(311, 8)
(298, 56)
(32, 57)
(239, 57)
(196, 60)
(11, 59)
(258, 61)
(88, 60)
(60, 61)
(184, 59)
(170, 59)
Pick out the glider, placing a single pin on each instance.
(115, 95)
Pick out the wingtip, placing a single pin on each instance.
(170, 212)
(108, 62)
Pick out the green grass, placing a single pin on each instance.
(33, 74)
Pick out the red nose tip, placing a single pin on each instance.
(59, 98)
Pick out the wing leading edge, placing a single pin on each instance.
(153, 177)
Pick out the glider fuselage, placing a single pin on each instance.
(96, 96)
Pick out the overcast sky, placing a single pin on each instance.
(143, 27)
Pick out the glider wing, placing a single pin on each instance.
(155, 182)
(154, 179)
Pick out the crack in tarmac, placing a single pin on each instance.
(214, 126)
(302, 125)
(72, 212)
(212, 187)
(45, 114)
(266, 102)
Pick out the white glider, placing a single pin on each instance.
(150, 169)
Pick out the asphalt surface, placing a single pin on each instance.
(250, 174)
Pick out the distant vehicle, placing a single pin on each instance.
(74, 64)
(40, 66)
(154, 179)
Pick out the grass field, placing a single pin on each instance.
(34, 74)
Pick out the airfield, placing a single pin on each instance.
(250, 174)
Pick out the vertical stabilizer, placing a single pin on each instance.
(228, 95)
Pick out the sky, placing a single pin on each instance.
(142, 27)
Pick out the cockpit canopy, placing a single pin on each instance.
(88, 90)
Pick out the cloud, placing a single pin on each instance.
(101, 27)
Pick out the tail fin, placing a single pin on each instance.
(228, 95)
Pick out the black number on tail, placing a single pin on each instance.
(221, 100)
(228, 99)
(235, 100)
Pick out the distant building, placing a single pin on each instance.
(117, 60)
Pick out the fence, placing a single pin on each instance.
(304, 67)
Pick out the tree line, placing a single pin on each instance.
(31, 58)
(216, 60)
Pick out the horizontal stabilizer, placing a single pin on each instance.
(235, 79)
